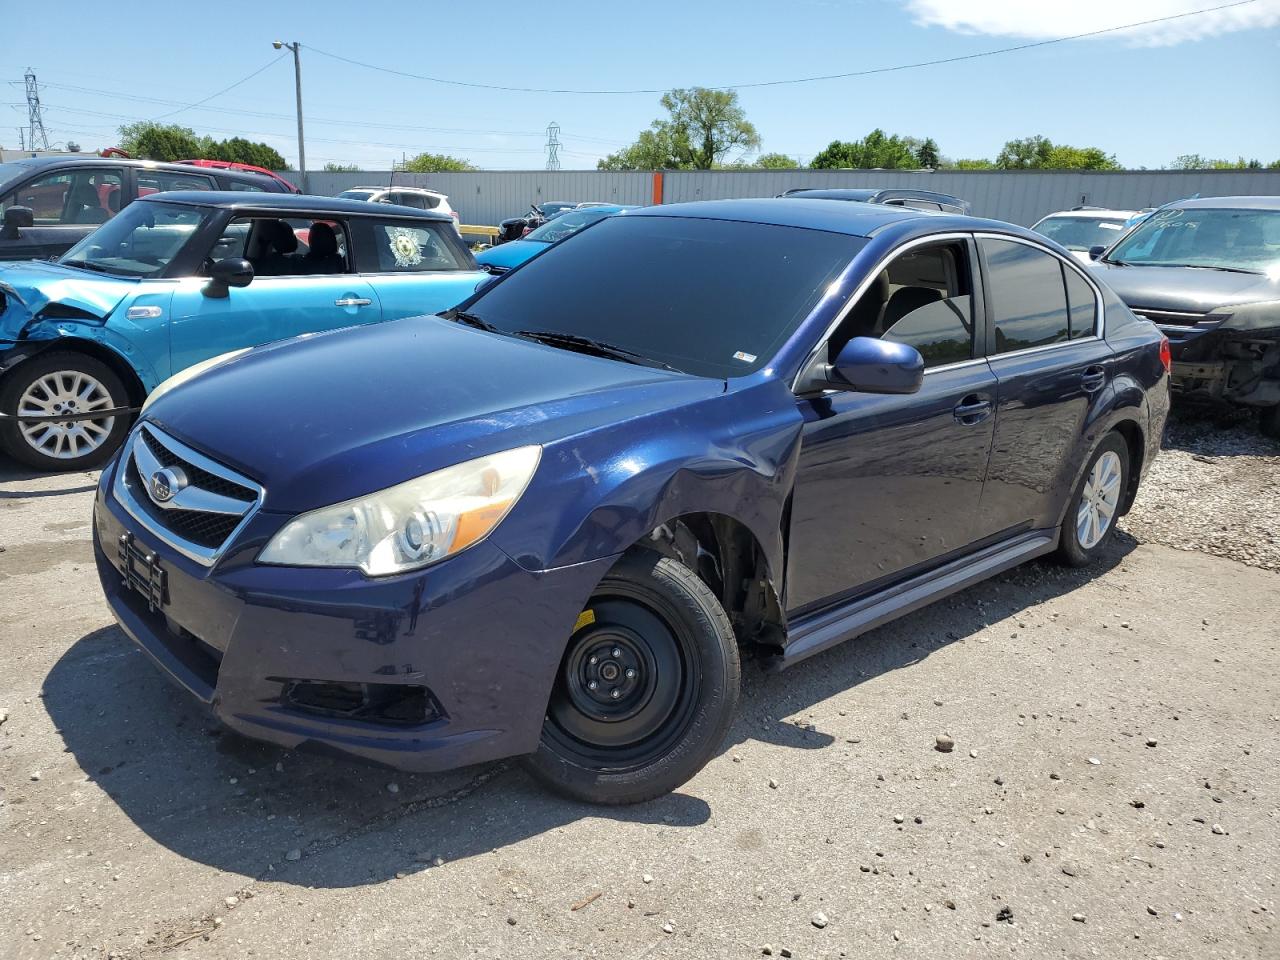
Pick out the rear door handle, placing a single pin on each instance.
(972, 409)
(352, 302)
(1093, 378)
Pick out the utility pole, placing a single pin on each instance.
(37, 139)
(553, 146)
(297, 78)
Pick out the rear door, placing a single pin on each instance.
(415, 266)
(288, 303)
(887, 486)
(1051, 366)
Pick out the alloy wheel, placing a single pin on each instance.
(68, 392)
(1099, 500)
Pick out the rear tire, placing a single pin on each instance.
(50, 383)
(1090, 521)
(646, 690)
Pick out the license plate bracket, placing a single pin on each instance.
(140, 570)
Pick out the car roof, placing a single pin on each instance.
(290, 202)
(866, 193)
(37, 162)
(835, 216)
(401, 188)
(1229, 203)
(1093, 213)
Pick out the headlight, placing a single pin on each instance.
(411, 524)
(190, 373)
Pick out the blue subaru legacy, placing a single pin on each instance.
(550, 521)
(176, 279)
(508, 256)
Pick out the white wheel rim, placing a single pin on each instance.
(69, 392)
(1099, 501)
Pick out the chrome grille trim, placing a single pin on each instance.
(138, 458)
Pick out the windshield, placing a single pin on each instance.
(1247, 240)
(1081, 233)
(552, 207)
(566, 224)
(139, 241)
(10, 171)
(715, 298)
(355, 194)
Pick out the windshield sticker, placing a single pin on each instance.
(1162, 216)
(405, 246)
(745, 357)
(1111, 226)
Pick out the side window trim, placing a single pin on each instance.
(1099, 317)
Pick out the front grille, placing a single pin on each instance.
(1173, 318)
(209, 503)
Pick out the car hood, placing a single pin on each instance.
(32, 285)
(1185, 289)
(512, 254)
(321, 419)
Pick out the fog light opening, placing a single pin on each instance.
(396, 703)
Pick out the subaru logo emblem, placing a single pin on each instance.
(165, 484)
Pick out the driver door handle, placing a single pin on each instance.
(352, 302)
(974, 408)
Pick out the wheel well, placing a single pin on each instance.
(727, 557)
(133, 385)
(1132, 435)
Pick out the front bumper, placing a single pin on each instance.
(482, 634)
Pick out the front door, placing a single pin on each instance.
(887, 486)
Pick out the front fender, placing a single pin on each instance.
(599, 493)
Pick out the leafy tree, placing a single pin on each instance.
(701, 127)
(435, 163)
(1041, 153)
(1194, 161)
(977, 163)
(776, 161)
(169, 141)
(927, 155)
(877, 150)
(342, 168)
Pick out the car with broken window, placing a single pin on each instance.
(179, 278)
(1207, 273)
(554, 520)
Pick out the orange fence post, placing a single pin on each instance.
(657, 186)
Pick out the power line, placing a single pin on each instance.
(270, 63)
(553, 146)
(794, 80)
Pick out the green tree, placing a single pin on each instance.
(975, 163)
(341, 168)
(1041, 153)
(1195, 161)
(435, 163)
(1025, 154)
(876, 150)
(160, 141)
(702, 126)
(927, 155)
(776, 161)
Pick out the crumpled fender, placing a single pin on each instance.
(42, 335)
(35, 285)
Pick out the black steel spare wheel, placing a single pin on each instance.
(646, 689)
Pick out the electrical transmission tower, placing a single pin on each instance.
(553, 146)
(37, 139)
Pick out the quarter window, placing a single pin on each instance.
(1027, 294)
(406, 246)
(158, 181)
(1083, 304)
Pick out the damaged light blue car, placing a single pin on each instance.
(176, 279)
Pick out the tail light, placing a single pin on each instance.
(1166, 355)
(454, 214)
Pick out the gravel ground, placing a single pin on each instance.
(1214, 488)
(1112, 791)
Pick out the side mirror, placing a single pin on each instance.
(15, 218)
(869, 365)
(1096, 252)
(231, 272)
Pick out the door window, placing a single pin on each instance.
(1027, 294)
(158, 181)
(81, 196)
(278, 247)
(405, 246)
(923, 298)
(1083, 304)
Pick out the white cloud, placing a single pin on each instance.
(1045, 19)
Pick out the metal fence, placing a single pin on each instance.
(1016, 196)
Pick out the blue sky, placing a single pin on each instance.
(1208, 84)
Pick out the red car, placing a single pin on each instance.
(228, 165)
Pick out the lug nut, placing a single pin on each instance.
(591, 685)
(631, 674)
(615, 653)
(593, 660)
(615, 693)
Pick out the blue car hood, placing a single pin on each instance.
(510, 255)
(325, 418)
(30, 286)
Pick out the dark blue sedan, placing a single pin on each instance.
(549, 521)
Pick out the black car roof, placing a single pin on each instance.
(289, 202)
(36, 163)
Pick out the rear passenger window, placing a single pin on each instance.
(1083, 304)
(1028, 299)
(403, 246)
(158, 181)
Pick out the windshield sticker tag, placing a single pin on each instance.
(405, 247)
(1110, 226)
(745, 357)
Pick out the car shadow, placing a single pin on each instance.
(1205, 427)
(53, 485)
(260, 811)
